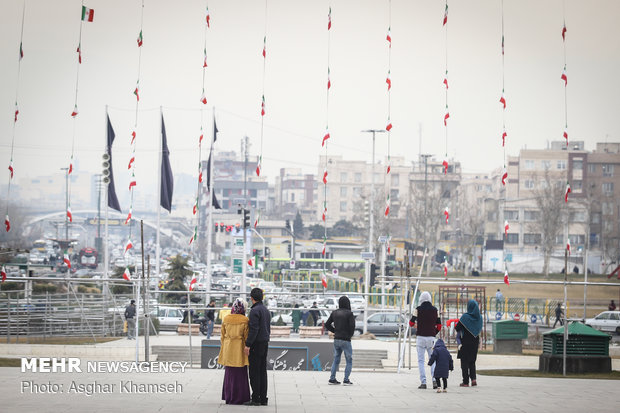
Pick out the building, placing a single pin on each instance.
(296, 192)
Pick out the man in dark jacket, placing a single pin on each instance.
(130, 318)
(428, 325)
(210, 316)
(256, 347)
(341, 322)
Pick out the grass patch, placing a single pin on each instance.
(614, 375)
(60, 340)
(8, 362)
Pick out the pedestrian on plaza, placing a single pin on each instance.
(256, 347)
(305, 313)
(296, 317)
(315, 314)
(612, 306)
(235, 389)
(130, 318)
(341, 322)
(468, 330)
(559, 315)
(210, 316)
(443, 364)
(499, 300)
(428, 325)
(225, 311)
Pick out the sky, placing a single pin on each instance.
(295, 79)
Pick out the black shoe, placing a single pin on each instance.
(434, 385)
(251, 403)
(422, 386)
(264, 402)
(333, 381)
(347, 382)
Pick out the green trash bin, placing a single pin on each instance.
(508, 336)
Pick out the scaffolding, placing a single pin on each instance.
(452, 302)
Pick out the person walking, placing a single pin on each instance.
(443, 364)
(130, 318)
(612, 306)
(256, 347)
(559, 315)
(428, 325)
(235, 389)
(210, 316)
(315, 313)
(468, 330)
(296, 318)
(499, 301)
(341, 323)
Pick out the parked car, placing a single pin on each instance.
(381, 324)
(606, 321)
(169, 317)
(288, 317)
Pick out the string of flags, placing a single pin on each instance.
(445, 82)
(326, 137)
(259, 165)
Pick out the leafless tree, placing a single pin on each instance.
(471, 218)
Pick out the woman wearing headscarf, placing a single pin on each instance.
(236, 388)
(296, 317)
(468, 331)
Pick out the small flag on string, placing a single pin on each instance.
(259, 165)
(388, 81)
(567, 191)
(324, 279)
(128, 217)
(324, 210)
(11, 168)
(262, 106)
(325, 137)
(325, 176)
(445, 266)
(445, 166)
(87, 14)
(504, 134)
(506, 279)
(329, 82)
(128, 246)
(446, 117)
(79, 52)
(445, 80)
(127, 274)
(70, 170)
(506, 227)
(445, 15)
(564, 77)
(387, 206)
(203, 97)
(75, 111)
(502, 100)
(389, 36)
(257, 220)
(329, 19)
(192, 282)
(564, 32)
(389, 169)
(568, 245)
(251, 262)
(16, 112)
(265, 47)
(3, 273)
(131, 160)
(565, 134)
(194, 235)
(69, 215)
(66, 260)
(132, 183)
(208, 18)
(137, 91)
(21, 52)
(324, 246)
(204, 63)
(200, 177)
(195, 207)
(7, 223)
(504, 176)
(446, 212)
(140, 40)
(133, 137)
(388, 127)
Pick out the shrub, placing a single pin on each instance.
(40, 288)
(280, 322)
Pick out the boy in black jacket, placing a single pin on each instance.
(341, 322)
(443, 362)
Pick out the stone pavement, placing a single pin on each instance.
(299, 391)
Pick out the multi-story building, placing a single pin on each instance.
(296, 192)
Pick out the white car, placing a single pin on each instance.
(606, 321)
(169, 317)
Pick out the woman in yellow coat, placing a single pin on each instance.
(236, 389)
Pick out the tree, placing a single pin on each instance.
(316, 231)
(471, 226)
(16, 238)
(343, 228)
(121, 288)
(298, 225)
(549, 199)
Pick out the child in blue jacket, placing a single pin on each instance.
(443, 364)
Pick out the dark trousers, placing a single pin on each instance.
(444, 380)
(468, 368)
(258, 371)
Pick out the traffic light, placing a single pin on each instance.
(267, 251)
(106, 168)
(388, 271)
(289, 249)
(373, 274)
(287, 224)
(246, 218)
(217, 227)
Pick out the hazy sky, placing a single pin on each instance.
(295, 86)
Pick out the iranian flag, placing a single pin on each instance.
(204, 63)
(568, 245)
(127, 274)
(329, 82)
(506, 227)
(325, 137)
(133, 137)
(506, 279)
(87, 14)
(69, 215)
(446, 212)
(133, 182)
(66, 260)
(445, 80)
(329, 19)
(325, 176)
(504, 176)
(389, 36)
(262, 107)
(504, 134)
(565, 134)
(388, 81)
(324, 279)
(502, 100)
(7, 223)
(251, 262)
(388, 127)
(128, 246)
(195, 207)
(324, 211)
(324, 247)
(564, 77)
(128, 217)
(259, 165)
(446, 117)
(21, 51)
(256, 221)
(564, 32)
(79, 52)
(387, 206)
(200, 177)
(389, 169)
(75, 111)
(137, 91)
(16, 112)
(140, 40)
(445, 15)
(265, 47)
(567, 191)
(208, 18)
(70, 170)
(131, 160)
(11, 168)
(445, 267)
(445, 166)
(194, 235)
(203, 97)
(3, 273)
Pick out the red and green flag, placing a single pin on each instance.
(87, 14)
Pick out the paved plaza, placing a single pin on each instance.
(301, 391)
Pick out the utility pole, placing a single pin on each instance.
(425, 157)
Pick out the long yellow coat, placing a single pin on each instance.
(234, 333)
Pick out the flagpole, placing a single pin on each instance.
(211, 191)
(106, 259)
(157, 252)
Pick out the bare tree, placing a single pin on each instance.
(471, 219)
(19, 236)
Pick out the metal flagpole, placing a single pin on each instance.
(157, 252)
(211, 191)
(106, 259)
(137, 317)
